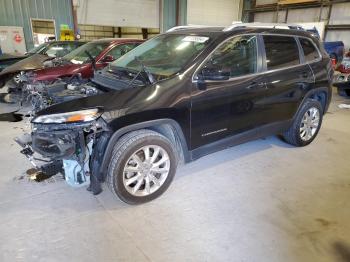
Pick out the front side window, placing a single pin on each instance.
(164, 55)
(281, 51)
(310, 51)
(235, 57)
(80, 55)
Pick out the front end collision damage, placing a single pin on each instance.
(75, 149)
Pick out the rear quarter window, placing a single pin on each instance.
(309, 49)
(281, 51)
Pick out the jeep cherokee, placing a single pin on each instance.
(182, 95)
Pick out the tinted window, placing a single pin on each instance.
(281, 51)
(80, 55)
(163, 55)
(120, 50)
(236, 57)
(60, 49)
(309, 49)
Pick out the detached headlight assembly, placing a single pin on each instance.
(70, 117)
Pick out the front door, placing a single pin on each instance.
(228, 92)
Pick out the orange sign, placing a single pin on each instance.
(17, 38)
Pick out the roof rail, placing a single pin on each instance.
(184, 27)
(264, 25)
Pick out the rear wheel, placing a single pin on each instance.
(306, 125)
(142, 167)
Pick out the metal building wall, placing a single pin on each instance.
(19, 12)
(169, 12)
(337, 25)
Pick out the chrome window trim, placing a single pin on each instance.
(262, 72)
(318, 51)
(218, 46)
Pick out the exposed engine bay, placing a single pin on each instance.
(42, 95)
(69, 150)
(75, 145)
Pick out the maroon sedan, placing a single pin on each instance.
(78, 62)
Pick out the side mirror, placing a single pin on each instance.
(108, 59)
(215, 74)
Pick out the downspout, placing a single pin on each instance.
(75, 17)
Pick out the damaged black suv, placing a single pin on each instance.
(179, 96)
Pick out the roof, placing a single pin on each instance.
(216, 31)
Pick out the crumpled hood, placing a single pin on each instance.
(110, 101)
(30, 63)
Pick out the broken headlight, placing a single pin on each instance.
(70, 117)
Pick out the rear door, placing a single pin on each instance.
(288, 77)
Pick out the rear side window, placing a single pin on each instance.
(310, 51)
(281, 51)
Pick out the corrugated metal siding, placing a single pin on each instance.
(124, 13)
(216, 13)
(340, 14)
(169, 14)
(265, 2)
(19, 12)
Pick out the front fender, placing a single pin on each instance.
(147, 124)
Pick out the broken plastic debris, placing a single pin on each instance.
(344, 106)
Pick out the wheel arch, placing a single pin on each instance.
(321, 94)
(167, 127)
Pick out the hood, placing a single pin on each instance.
(109, 101)
(30, 63)
(52, 73)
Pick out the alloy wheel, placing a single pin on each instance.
(309, 124)
(146, 170)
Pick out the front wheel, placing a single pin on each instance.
(306, 124)
(142, 167)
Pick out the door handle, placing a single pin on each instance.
(255, 85)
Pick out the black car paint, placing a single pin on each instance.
(211, 115)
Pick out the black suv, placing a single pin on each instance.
(179, 96)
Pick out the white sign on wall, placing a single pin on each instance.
(12, 40)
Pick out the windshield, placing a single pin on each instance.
(164, 55)
(79, 55)
(38, 49)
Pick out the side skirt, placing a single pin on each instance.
(260, 132)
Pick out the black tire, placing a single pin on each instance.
(292, 135)
(122, 151)
(344, 92)
(347, 92)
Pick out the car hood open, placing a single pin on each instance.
(30, 63)
(8, 57)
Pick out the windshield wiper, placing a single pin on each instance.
(93, 62)
(145, 70)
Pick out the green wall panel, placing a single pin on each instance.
(19, 12)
